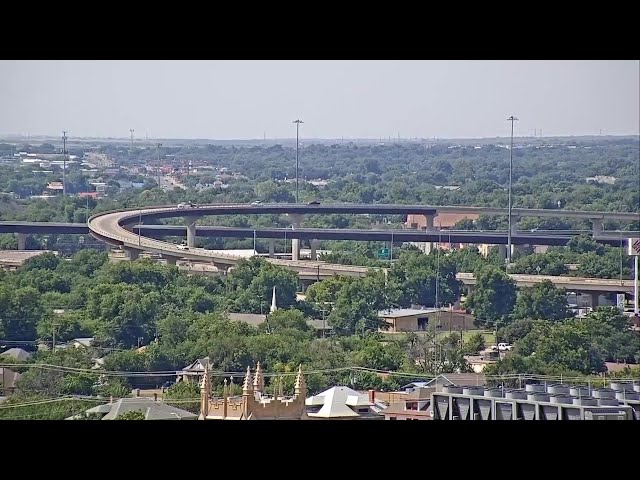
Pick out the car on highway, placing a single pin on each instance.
(182, 247)
(256, 203)
(314, 202)
(182, 205)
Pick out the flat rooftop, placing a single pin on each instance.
(18, 257)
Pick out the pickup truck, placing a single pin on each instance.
(505, 347)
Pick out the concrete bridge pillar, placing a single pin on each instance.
(502, 251)
(514, 225)
(132, 253)
(428, 246)
(429, 222)
(314, 247)
(222, 268)
(272, 247)
(170, 260)
(295, 249)
(190, 221)
(296, 221)
(22, 241)
(596, 224)
(595, 299)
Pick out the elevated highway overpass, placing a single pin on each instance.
(110, 227)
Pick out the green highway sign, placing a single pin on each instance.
(383, 253)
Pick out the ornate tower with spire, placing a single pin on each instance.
(205, 392)
(253, 404)
(300, 388)
(258, 380)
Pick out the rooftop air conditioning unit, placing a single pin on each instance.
(604, 416)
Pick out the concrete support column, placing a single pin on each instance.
(272, 247)
(132, 253)
(502, 251)
(223, 268)
(314, 247)
(428, 246)
(514, 225)
(595, 299)
(191, 230)
(429, 222)
(171, 260)
(596, 224)
(22, 241)
(295, 249)
(519, 249)
(296, 221)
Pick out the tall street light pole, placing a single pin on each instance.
(297, 122)
(512, 119)
(158, 150)
(64, 163)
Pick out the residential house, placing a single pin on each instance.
(254, 319)
(16, 354)
(8, 377)
(257, 319)
(343, 403)
(321, 327)
(85, 342)
(415, 405)
(152, 409)
(448, 379)
(254, 403)
(193, 372)
(480, 361)
(415, 320)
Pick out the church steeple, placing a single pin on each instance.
(247, 386)
(274, 307)
(258, 380)
(205, 392)
(300, 388)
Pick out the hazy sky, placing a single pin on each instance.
(364, 99)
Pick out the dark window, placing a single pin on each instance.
(392, 418)
(363, 410)
(423, 322)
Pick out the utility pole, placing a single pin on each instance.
(53, 343)
(64, 163)
(512, 119)
(158, 150)
(297, 122)
(131, 132)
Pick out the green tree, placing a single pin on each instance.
(542, 301)
(20, 312)
(184, 395)
(251, 283)
(46, 261)
(132, 415)
(494, 297)
(123, 313)
(283, 320)
(584, 244)
(417, 278)
(474, 344)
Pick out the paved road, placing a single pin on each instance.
(108, 227)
